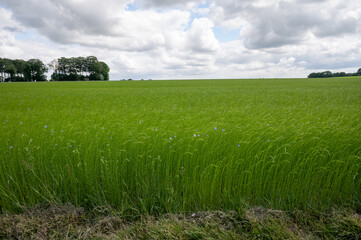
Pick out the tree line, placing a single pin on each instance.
(79, 69)
(19, 70)
(328, 74)
(64, 69)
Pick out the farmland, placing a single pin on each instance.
(155, 147)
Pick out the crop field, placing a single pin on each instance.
(153, 147)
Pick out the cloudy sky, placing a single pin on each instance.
(182, 39)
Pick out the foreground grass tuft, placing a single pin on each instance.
(69, 222)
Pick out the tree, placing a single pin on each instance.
(74, 69)
(96, 76)
(359, 72)
(2, 69)
(20, 68)
(339, 74)
(54, 65)
(79, 68)
(327, 74)
(105, 70)
(64, 69)
(10, 70)
(35, 70)
(62, 72)
(92, 65)
(315, 75)
(63, 65)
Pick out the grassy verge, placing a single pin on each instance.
(69, 222)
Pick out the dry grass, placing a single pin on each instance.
(69, 222)
(59, 222)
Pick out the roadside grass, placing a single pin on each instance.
(69, 222)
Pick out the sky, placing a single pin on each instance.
(182, 39)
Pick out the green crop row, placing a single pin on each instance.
(176, 146)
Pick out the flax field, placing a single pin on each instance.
(154, 147)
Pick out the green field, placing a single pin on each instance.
(153, 147)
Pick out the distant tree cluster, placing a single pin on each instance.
(22, 71)
(78, 69)
(328, 74)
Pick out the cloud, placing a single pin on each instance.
(143, 41)
(89, 23)
(6, 21)
(178, 39)
(201, 37)
(167, 3)
(269, 24)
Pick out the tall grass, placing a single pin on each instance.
(173, 146)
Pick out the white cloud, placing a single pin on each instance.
(175, 39)
(201, 37)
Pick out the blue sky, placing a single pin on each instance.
(180, 39)
(225, 35)
(133, 6)
(23, 36)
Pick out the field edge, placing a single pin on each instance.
(55, 221)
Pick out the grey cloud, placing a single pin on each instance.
(165, 3)
(277, 27)
(61, 21)
(311, 1)
(11, 29)
(68, 22)
(103, 26)
(331, 64)
(326, 59)
(345, 25)
(275, 24)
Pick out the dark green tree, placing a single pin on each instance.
(20, 69)
(105, 70)
(92, 65)
(9, 70)
(35, 70)
(79, 68)
(2, 70)
(327, 74)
